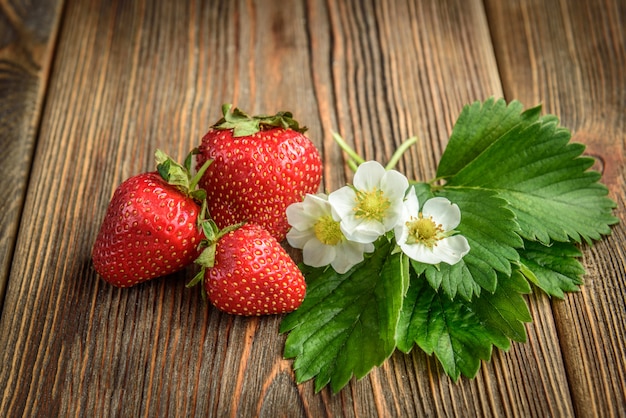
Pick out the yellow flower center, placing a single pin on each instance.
(424, 231)
(327, 231)
(371, 205)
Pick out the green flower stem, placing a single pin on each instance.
(353, 165)
(401, 150)
(355, 159)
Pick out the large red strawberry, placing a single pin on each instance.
(247, 272)
(151, 226)
(261, 165)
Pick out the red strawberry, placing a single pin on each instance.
(261, 165)
(151, 226)
(249, 273)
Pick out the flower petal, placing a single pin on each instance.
(394, 185)
(348, 255)
(443, 212)
(421, 253)
(342, 201)
(316, 254)
(411, 204)
(452, 249)
(368, 176)
(393, 215)
(361, 230)
(401, 232)
(297, 238)
(316, 205)
(304, 215)
(298, 217)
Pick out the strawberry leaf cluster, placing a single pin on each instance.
(527, 197)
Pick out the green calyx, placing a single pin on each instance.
(180, 175)
(213, 234)
(243, 124)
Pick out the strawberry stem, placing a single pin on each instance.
(198, 176)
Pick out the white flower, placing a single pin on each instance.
(372, 205)
(428, 236)
(315, 230)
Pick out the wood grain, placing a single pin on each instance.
(27, 39)
(130, 77)
(570, 56)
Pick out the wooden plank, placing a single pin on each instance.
(570, 56)
(133, 76)
(27, 37)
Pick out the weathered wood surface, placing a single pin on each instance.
(123, 78)
(27, 39)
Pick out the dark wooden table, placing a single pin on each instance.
(88, 90)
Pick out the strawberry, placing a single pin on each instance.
(247, 272)
(151, 225)
(261, 165)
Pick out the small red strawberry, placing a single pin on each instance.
(249, 273)
(261, 165)
(151, 226)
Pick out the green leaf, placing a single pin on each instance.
(554, 268)
(453, 279)
(504, 312)
(444, 327)
(492, 233)
(346, 324)
(461, 333)
(528, 161)
(478, 126)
